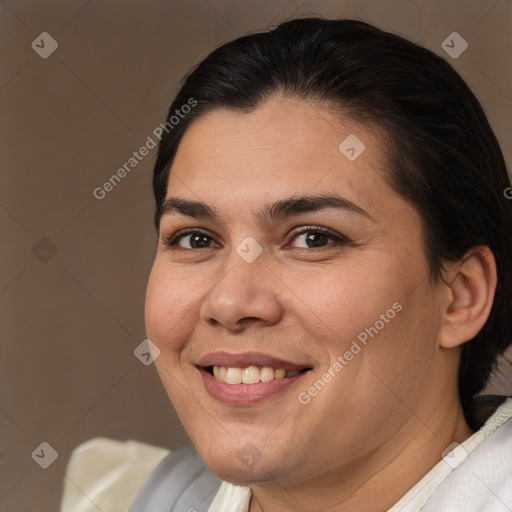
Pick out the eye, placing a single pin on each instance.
(191, 240)
(317, 237)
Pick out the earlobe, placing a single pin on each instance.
(470, 286)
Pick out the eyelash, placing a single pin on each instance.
(338, 239)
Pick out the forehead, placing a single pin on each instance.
(284, 147)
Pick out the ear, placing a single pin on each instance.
(470, 285)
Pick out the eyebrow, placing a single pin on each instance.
(270, 213)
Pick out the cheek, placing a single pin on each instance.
(370, 313)
(339, 303)
(171, 308)
(383, 335)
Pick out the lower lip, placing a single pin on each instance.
(246, 394)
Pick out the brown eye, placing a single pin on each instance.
(191, 240)
(316, 238)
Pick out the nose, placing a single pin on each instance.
(243, 297)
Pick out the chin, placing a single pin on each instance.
(242, 465)
(245, 465)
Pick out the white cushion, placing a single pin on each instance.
(104, 474)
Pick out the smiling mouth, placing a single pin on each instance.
(249, 378)
(252, 374)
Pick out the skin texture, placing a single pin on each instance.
(384, 420)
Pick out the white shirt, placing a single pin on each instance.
(477, 476)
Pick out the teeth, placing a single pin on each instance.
(220, 372)
(279, 374)
(234, 376)
(251, 374)
(267, 374)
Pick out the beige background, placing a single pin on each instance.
(70, 324)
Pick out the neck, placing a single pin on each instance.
(377, 481)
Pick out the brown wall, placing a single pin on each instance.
(71, 320)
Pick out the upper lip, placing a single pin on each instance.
(246, 359)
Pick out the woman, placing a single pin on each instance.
(332, 283)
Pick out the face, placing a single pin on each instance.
(283, 253)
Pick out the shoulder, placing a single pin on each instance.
(106, 474)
